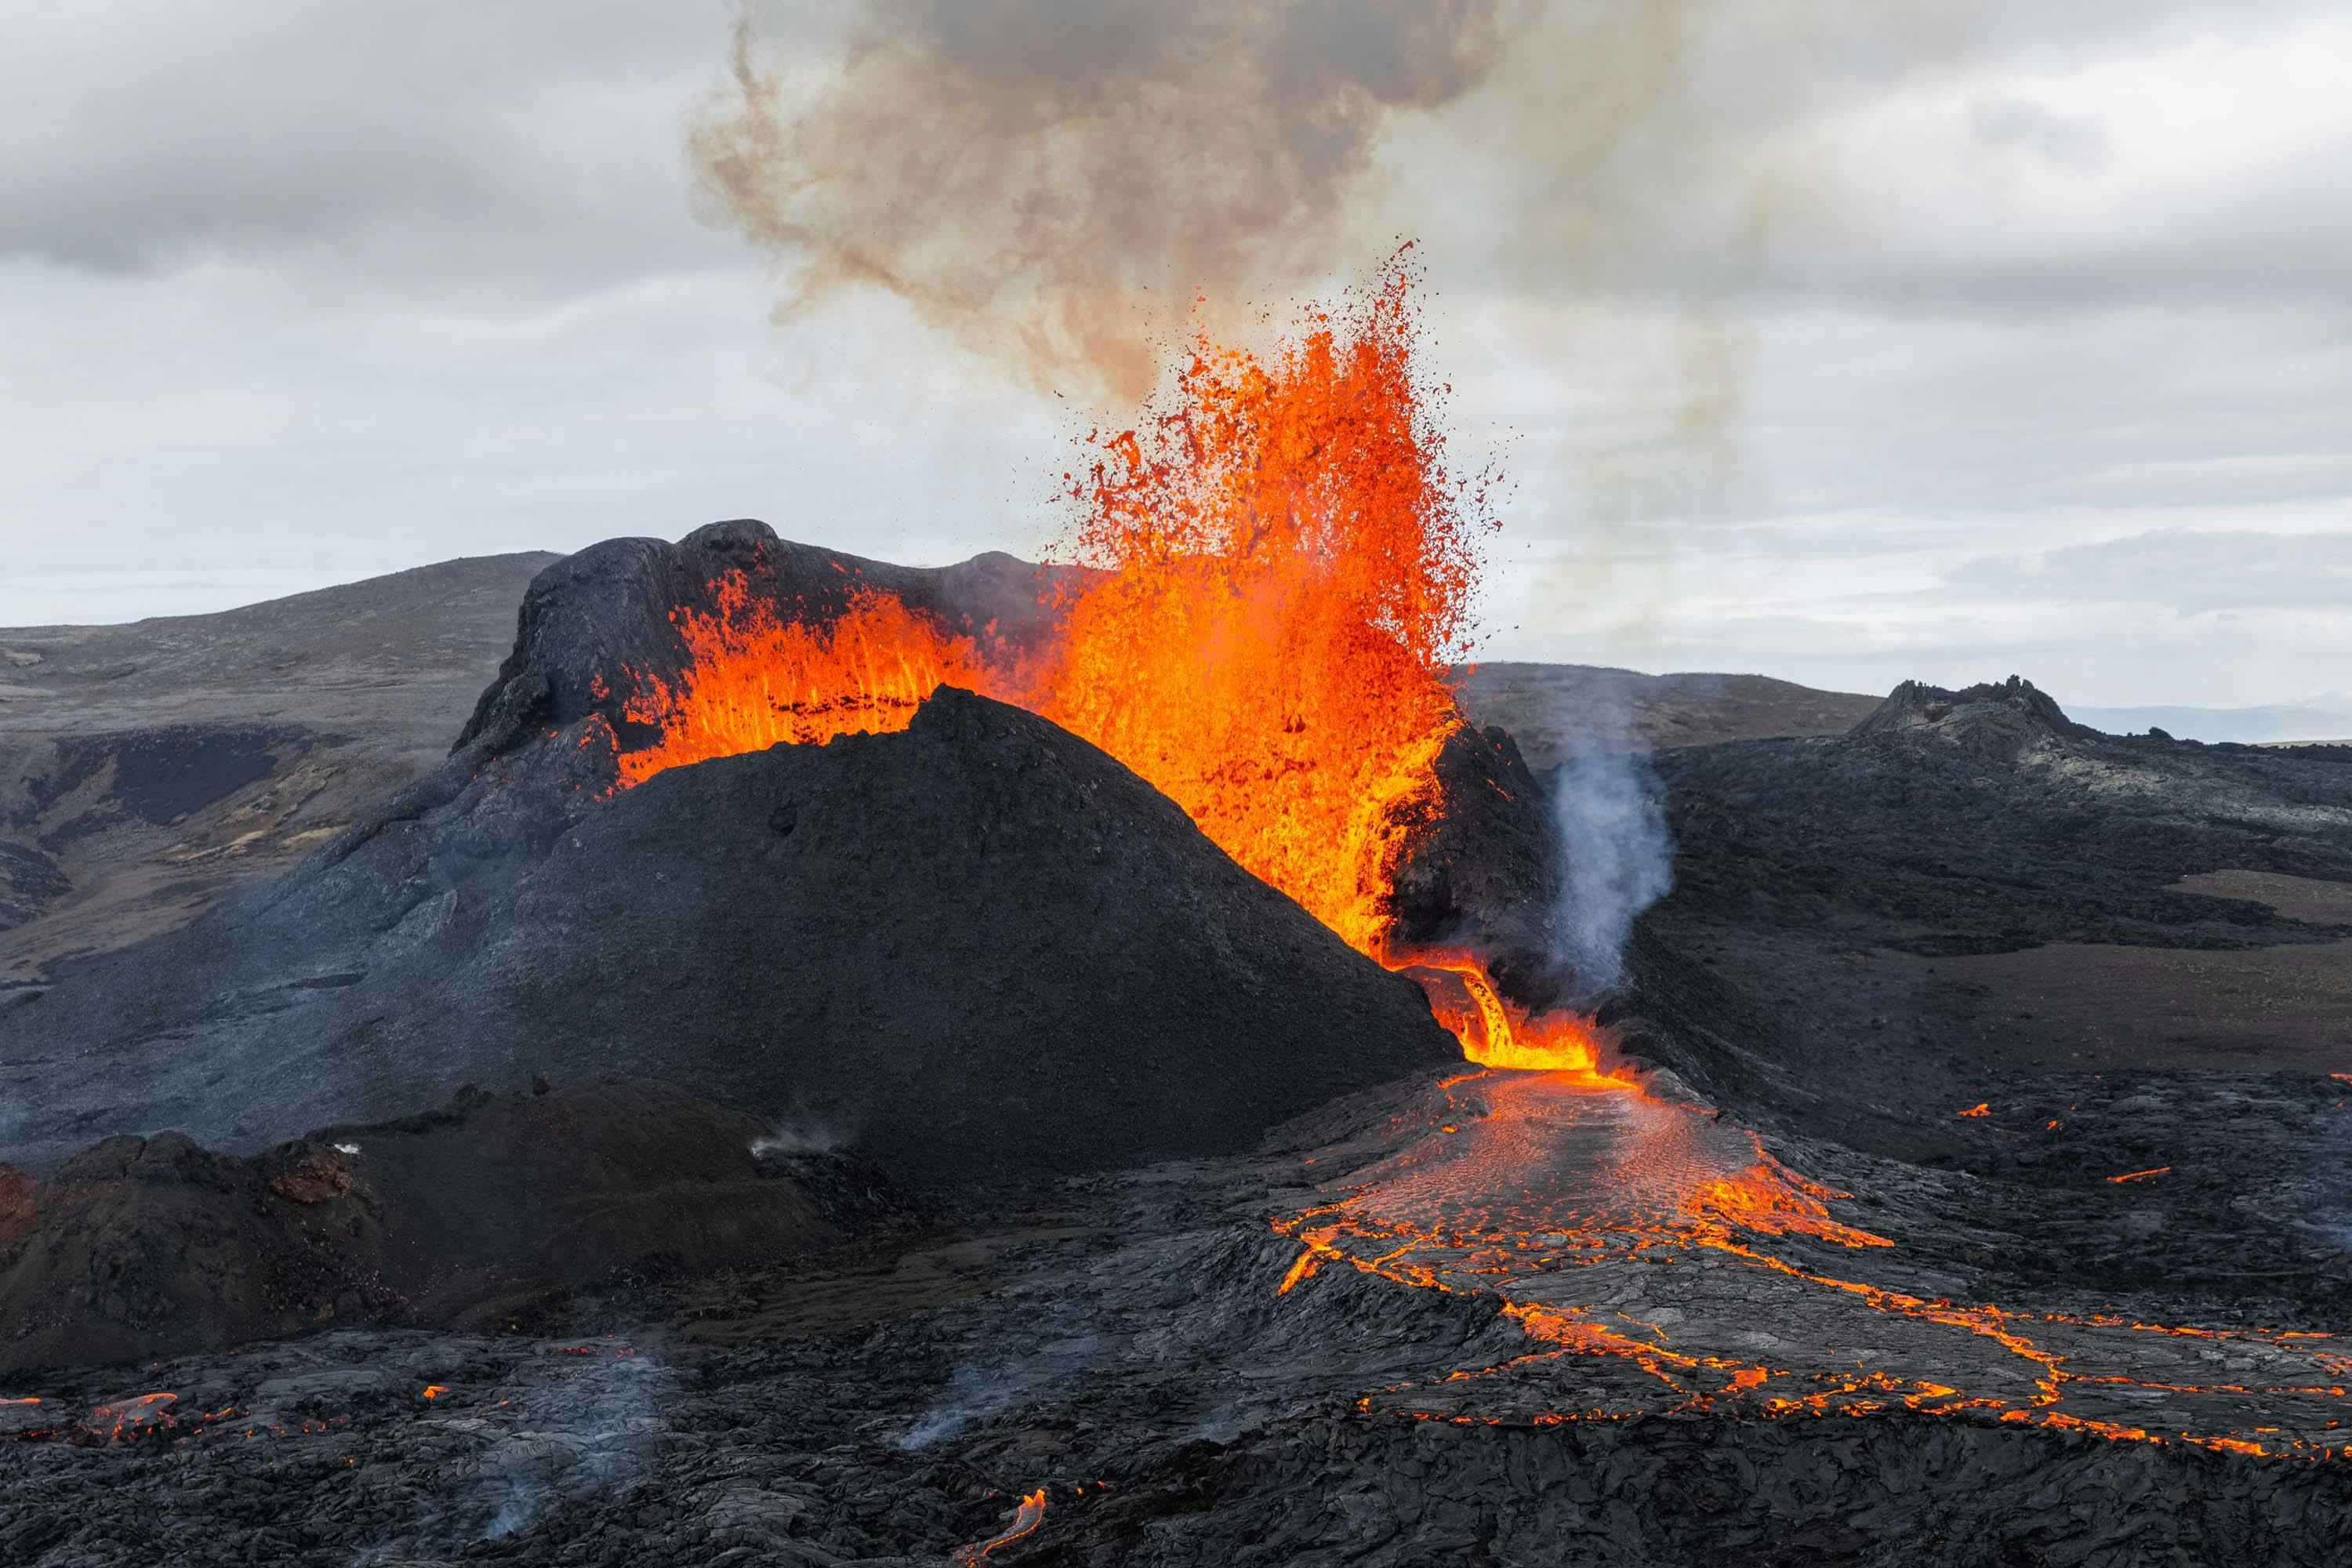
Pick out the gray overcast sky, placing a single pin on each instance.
(1841, 343)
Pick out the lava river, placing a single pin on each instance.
(1661, 1261)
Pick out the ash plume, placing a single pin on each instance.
(1031, 174)
(1054, 184)
(1617, 857)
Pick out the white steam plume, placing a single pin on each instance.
(1617, 859)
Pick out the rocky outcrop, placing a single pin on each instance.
(142, 1247)
(592, 624)
(2004, 719)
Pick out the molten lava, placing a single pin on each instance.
(1494, 1033)
(1572, 1204)
(1287, 570)
(1025, 1519)
(754, 681)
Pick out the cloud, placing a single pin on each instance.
(429, 146)
(2177, 572)
(2068, 140)
(1817, 335)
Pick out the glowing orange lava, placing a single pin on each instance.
(1494, 1033)
(1287, 569)
(755, 681)
(1573, 1208)
(1026, 1518)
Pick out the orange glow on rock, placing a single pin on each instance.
(1979, 1109)
(122, 1416)
(2149, 1174)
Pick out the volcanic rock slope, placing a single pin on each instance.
(1549, 707)
(144, 769)
(1985, 821)
(474, 1213)
(980, 946)
(2127, 960)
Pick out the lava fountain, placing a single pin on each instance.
(1284, 569)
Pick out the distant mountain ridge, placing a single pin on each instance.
(1545, 705)
(2248, 726)
(145, 767)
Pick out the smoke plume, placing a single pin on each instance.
(1617, 858)
(1042, 177)
(1064, 186)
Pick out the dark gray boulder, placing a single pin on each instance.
(487, 1208)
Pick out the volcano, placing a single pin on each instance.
(978, 946)
(1127, 911)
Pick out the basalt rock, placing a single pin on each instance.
(1985, 821)
(1484, 873)
(144, 1246)
(2001, 719)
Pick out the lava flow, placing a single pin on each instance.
(1025, 1519)
(1494, 1033)
(1684, 1269)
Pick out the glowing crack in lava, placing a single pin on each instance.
(1660, 1259)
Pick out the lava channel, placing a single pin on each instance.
(1660, 1259)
